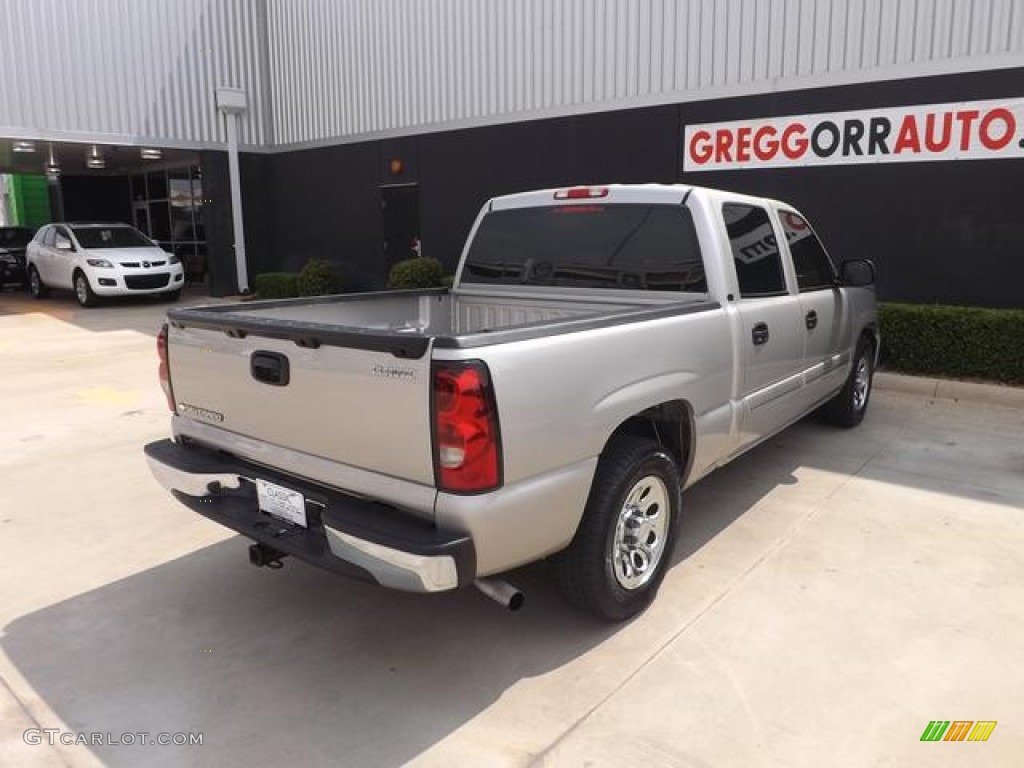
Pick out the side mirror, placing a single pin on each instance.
(154, 242)
(857, 273)
(63, 244)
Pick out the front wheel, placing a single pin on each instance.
(83, 291)
(622, 549)
(847, 408)
(35, 283)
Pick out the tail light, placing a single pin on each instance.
(467, 442)
(581, 193)
(163, 371)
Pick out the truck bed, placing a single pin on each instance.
(404, 322)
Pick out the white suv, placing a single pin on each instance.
(95, 260)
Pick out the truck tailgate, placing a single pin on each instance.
(360, 407)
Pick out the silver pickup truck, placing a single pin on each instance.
(601, 349)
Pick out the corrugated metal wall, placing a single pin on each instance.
(320, 70)
(342, 68)
(130, 68)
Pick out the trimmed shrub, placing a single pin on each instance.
(417, 273)
(958, 342)
(319, 278)
(277, 285)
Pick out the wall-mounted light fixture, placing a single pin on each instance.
(52, 169)
(95, 159)
(24, 146)
(395, 166)
(149, 153)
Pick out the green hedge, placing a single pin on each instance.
(277, 285)
(417, 273)
(319, 278)
(959, 342)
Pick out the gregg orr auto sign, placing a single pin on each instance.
(971, 130)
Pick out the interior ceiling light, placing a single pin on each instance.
(24, 146)
(151, 154)
(95, 159)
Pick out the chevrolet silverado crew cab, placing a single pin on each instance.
(601, 349)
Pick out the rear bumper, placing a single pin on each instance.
(346, 535)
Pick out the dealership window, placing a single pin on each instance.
(168, 206)
(755, 250)
(814, 269)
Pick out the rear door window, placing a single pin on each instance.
(591, 245)
(755, 250)
(814, 268)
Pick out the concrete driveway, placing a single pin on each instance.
(833, 593)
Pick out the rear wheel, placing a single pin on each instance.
(35, 283)
(621, 551)
(847, 408)
(83, 291)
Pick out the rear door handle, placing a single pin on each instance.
(270, 368)
(811, 318)
(759, 334)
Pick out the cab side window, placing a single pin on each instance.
(814, 269)
(755, 250)
(50, 236)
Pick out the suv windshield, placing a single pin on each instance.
(622, 246)
(14, 237)
(111, 237)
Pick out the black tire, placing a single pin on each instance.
(83, 291)
(35, 284)
(847, 408)
(585, 572)
(171, 295)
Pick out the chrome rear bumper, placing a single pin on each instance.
(345, 534)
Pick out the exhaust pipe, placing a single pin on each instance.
(501, 592)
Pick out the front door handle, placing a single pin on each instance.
(811, 318)
(759, 334)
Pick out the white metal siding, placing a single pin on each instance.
(336, 70)
(129, 69)
(346, 68)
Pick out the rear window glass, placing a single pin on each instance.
(622, 246)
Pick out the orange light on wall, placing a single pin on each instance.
(395, 166)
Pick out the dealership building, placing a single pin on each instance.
(250, 135)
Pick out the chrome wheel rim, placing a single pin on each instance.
(81, 289)
(861, 383)
(640, 533)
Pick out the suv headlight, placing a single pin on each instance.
(99, 263)
(174, 260)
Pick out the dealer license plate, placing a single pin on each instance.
(281, 502)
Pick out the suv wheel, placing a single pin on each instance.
(35, 283)
(83, 291)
